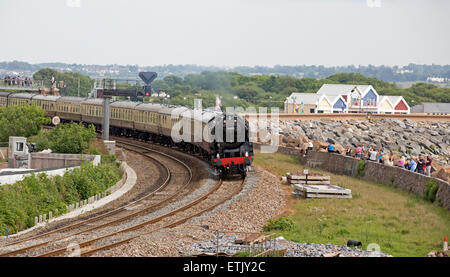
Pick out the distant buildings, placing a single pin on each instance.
(337, 98)
(437, 80)
(432, 108)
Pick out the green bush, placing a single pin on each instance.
(69, 138)
(21, 121)
(40, 194)
(280, 224)
(431, 189)
(361, 167)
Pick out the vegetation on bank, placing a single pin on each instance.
(40, 194)
(71, 138)
(21, 121)
(402, 224)
(70, 80)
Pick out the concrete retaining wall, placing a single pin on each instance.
(375, 172)
(18, 176)
(40, 160)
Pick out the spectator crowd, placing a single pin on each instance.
(419, 164)
(17, 81)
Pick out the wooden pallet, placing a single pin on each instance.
(309, 182)
(251, 239)
(320, 191)
(309, 177)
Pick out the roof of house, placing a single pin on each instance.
(432, 108)
(394, 99)
(383, 98)
(306, 98)
(336, 89)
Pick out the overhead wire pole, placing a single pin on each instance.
(110, 89)
(106, 112)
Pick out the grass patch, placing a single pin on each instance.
(431, 189)
(280, 224)
(361, 168)
(402, 224)
(246, 254)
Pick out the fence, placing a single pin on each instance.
(245, 244)
(69, 208)
(20, 83)
(47, 217)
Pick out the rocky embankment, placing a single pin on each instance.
(228, 246)
(403, 138)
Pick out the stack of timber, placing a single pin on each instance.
(315, 186)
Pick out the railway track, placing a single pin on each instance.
(200, 205)
(143, 205)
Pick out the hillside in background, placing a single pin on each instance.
(265, 90)
(405, 74)
(255, 90)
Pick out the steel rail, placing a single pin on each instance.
(140, 225)
(113, 212)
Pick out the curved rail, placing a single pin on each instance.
(151, 221)
(113, 212)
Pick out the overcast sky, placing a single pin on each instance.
(226, 32)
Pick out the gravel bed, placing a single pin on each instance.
(263, 197)
(252, 178)
(227, 245)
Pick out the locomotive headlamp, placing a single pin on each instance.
(246, 154)
(218, 156)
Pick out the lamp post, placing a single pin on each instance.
(287, 104)
(235, 100)
(168, 99)
(295, 102)
(270, 102)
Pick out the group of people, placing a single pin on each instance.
(420, 165)
(17, 81)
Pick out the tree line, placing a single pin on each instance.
(410, 72)
(256, 90)
(269, 90)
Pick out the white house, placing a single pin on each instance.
(303, 103)
(338, 98)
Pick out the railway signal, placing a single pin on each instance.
(110, 89)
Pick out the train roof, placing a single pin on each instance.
(125, 104)
(46, 97)
(22, 95)
(149, 107)
(93, 101)
(167, 110)
(71, 99)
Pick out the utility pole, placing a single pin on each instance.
(78, 87)
(106, 112)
